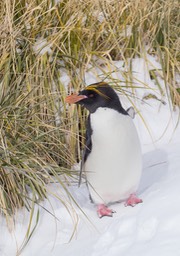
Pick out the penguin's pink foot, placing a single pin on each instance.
(133, 200)
(103, 210)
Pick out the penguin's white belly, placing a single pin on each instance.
(113, 168)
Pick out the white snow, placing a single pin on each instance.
(150, 228)
(42, 46)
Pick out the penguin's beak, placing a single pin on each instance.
(74, 98)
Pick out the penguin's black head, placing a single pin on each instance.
(95, 96)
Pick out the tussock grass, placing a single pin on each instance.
(40, 41)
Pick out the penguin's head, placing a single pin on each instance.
(95, 96)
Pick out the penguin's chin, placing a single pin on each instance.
(74, 98)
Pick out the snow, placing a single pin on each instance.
(41, 46)
(150, 228)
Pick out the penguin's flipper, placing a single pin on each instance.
(80, 174)
(87, 150)
(131, 112)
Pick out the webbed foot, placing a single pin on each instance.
(103, 210)
(133, 200)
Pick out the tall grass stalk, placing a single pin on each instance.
(41, 43)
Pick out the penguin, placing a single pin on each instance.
(112, 159)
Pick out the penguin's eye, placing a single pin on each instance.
(91, 95)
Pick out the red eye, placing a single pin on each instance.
(91, 95)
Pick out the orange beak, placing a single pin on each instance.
(73, 98)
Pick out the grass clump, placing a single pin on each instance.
(46, 47)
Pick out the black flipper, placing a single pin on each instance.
(131, 112)
(88, 147)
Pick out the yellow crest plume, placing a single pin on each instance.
(95, 87)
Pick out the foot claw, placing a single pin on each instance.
(103, 210)
(133, 200)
